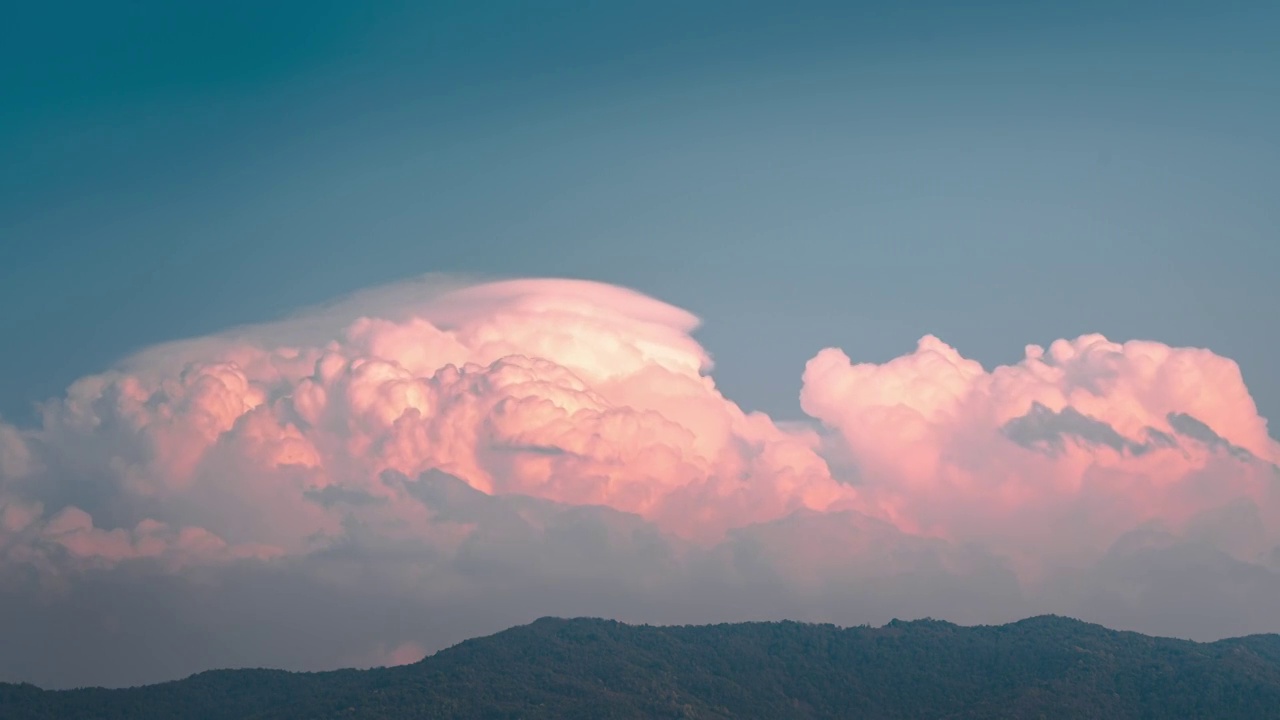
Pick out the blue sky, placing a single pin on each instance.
(800, 175)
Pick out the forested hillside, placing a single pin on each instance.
(1044, 667)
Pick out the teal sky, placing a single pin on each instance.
(800, 174)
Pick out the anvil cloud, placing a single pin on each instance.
(373, 479)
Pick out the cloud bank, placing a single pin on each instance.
(401, 469)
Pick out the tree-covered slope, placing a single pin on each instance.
(1046, 667)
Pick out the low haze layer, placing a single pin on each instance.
(368, 481)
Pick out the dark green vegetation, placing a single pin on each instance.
(1045, 667)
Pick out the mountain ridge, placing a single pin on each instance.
(1043, 666)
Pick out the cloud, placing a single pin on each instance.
(370, 480)
(1059, 454)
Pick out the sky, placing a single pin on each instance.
(337, 333)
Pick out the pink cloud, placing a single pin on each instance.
(585, 393)
(1087, 434)
(568, 390)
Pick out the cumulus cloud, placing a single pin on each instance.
(1059, 454)
(370, 480)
